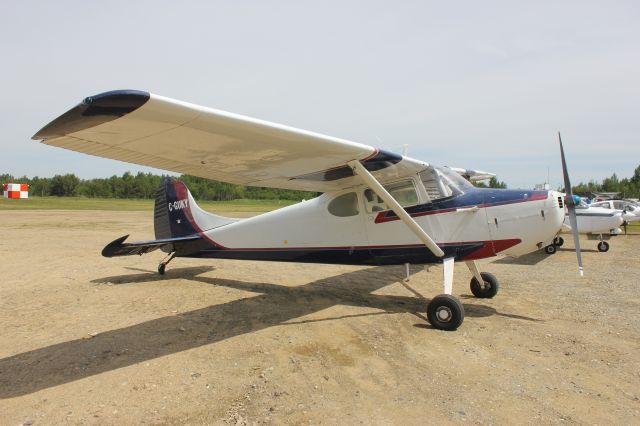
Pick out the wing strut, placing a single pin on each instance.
(368, 178)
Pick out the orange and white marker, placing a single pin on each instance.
(15, 190)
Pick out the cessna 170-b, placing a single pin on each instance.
(376, 207)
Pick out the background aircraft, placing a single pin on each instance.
(595, 222)
(377, 207)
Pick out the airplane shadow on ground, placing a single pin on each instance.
(65, 362)
(582, 250)
(532, 258)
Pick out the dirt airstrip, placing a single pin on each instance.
(89, 340)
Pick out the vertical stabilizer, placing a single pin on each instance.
(176, 213)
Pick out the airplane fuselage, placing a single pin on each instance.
(477, 224)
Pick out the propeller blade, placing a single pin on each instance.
(571, 207)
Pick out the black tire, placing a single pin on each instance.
(445, 312)
(488, 290)
(603, 246)
(558, 241)
(550, 249)
(161, 268)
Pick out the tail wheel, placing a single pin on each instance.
(550, 249)
(558, 241)
(161, 268)
(603, 246)
(489, 287)
(445, 312)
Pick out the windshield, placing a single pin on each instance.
(441, 182)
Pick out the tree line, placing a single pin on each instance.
(144, 185)
(493, 183)
(627, 187)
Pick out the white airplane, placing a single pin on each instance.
(377, 207)
(596, 222)
(630, 211)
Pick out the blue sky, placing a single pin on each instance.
(481, 85)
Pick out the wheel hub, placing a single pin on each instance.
(444, 314)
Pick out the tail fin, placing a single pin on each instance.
(176, 213)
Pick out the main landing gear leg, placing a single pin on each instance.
(483, 284)
(445, 312)
(162, 266)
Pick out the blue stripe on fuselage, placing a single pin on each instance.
(481, 197)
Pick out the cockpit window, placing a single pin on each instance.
(442, 182)
(404, 192)
(344, 205)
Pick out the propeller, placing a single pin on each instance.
(624, 223)
(571, 206)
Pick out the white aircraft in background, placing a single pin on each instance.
(596, 222)
(377, 207)
(630, 210)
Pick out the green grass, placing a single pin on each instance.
(116, 204)
(635, 227)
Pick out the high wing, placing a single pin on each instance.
(150, 130)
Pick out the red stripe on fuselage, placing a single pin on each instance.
(488, 250)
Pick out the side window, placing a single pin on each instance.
(344, 205)
(618, 205)
(404, 192)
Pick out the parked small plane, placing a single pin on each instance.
(630, 211)
(377, 207)
(596, 222)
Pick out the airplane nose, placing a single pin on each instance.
(557, 199)
(557, 207)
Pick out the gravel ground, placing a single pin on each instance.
(89, 340)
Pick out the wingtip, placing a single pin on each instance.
(92, 111)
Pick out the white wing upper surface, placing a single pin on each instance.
(150, 130)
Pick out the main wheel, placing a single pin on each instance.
(161, 268)
(445, 312)
(603, 246)
(550, 249)
(558, 241)
(489, 287)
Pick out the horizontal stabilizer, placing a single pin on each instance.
(120, 248)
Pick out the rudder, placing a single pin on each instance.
(176, 213)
